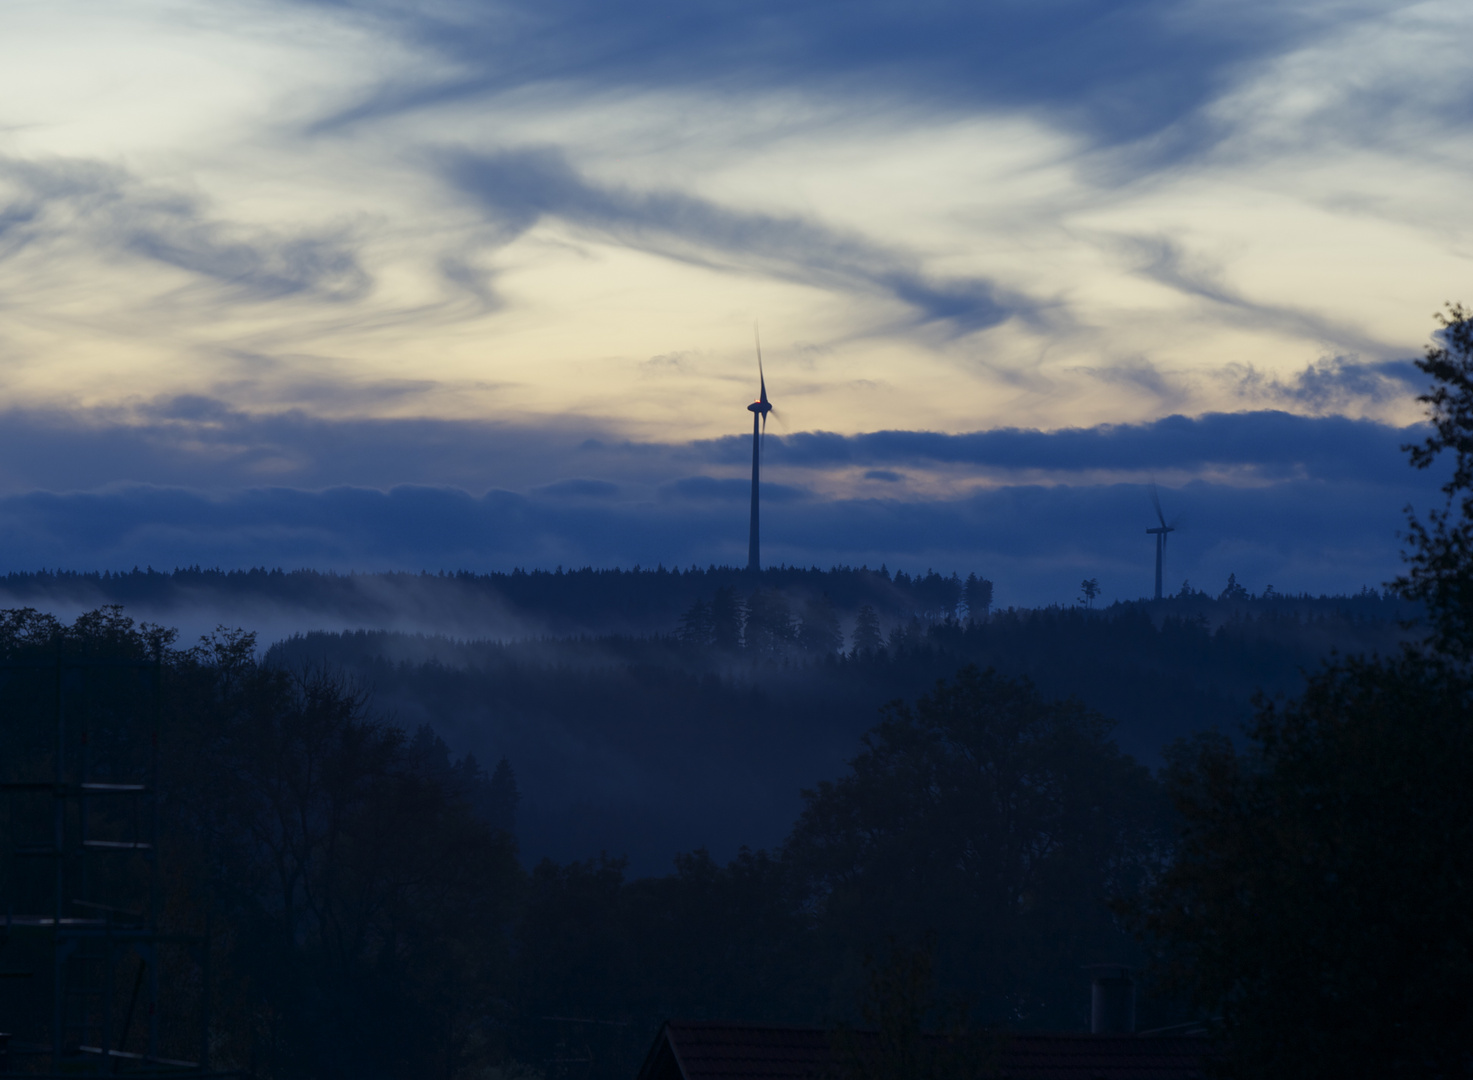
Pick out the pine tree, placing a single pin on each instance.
(727, 618)
(977, 596)
(820, 631)
(697, 626)
(867, 639)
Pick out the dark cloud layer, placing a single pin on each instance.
(199, 442)
(1117, 69)
(1269, 445)
(1036, 542)
(1311, 503)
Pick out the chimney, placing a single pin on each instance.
(1112, 1004)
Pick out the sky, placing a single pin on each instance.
(466, 284)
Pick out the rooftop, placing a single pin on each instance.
(705, 1050)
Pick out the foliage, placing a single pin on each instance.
(370, 917)
(867, 639)
(357, 901)
(1233, 591)
(602, 961)
(368, 896)
(1318, 902)
(1440, 562)
(769, 628)
(907, 1034)
(994, 819)
(977, 597)
(819, 631)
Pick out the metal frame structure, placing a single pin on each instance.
(95, 924)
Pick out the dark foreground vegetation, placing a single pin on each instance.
(370, 915)
(1300, 886)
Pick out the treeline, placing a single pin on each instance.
(370, 916)
(555, 602)
(766, 622)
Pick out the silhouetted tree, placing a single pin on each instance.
(603, 960)
(1233, 591)
(1440, 561)
(999, 821)
(727, 619)
(907, 635)
(867, 639)
(769, 627)
(819, 632)
(502, 797)
(1089, 589)
(977, 595)
(367, 896)
(937, 597)
(908, 1033)
(697, 626)
(1317, 903)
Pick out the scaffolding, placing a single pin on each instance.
(81, 937)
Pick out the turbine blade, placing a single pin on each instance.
(761, 378)
(762, 442)
(1156, 502)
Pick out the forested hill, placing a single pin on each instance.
(498, 605)
(651, 745)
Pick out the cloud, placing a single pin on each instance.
(1139, 373)
(517, 188)
(1297, 502)
(199, 442)
(729, 489)
(1117, 69)
(579, 489)
(1335, 383)
(1265, 445)
(204, 444)
(1166, 262)
(61, 201)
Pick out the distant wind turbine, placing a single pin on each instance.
(759, 410)
(1160, 533)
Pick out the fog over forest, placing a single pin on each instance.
(506, 825)
(714, 540)
(635, 725)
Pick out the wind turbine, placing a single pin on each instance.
(759, 410)
(1160, 533)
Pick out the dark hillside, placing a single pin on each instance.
(649, 746)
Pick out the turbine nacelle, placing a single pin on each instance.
(761, 406)
(1160, 532)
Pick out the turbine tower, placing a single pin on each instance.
(1160, 533)
(759, 410)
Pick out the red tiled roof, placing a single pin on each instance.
(698, 1050)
